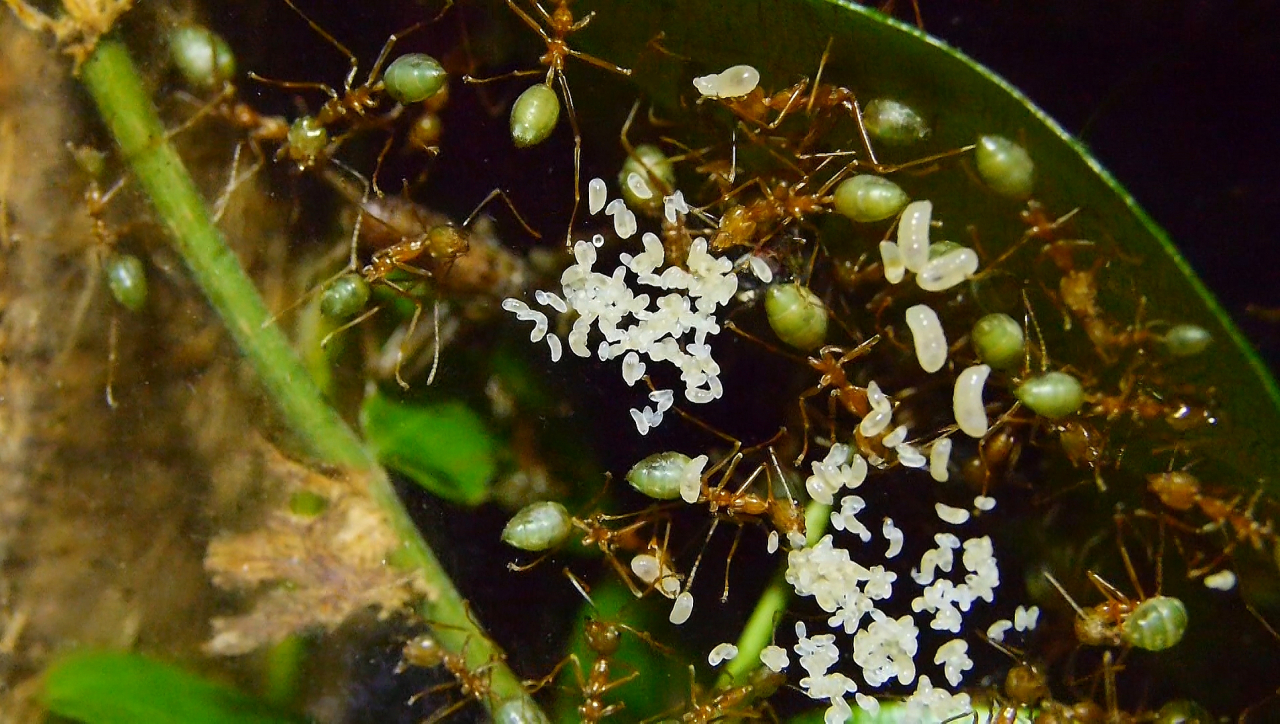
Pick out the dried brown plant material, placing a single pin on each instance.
(78, 30)
(308, 571)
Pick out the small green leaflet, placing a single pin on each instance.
(443, 446)
(109, 687)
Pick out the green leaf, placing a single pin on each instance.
(443, 446)
(880, 57)
(107, 687)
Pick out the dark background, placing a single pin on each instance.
(1178, 98)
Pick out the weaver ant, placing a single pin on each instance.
(424, 651)
(417, 242)
(733, 702)
(1181, 491)
(1151, 623)
(308, 141)
(603, 639)
(559, 25)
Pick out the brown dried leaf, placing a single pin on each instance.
(308, 571)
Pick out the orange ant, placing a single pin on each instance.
(307, 140)
(411, 239)
(124, 273)
(1150, 623)
(998, 453)
(424, 651)
(559, 25)
(597, 532)
(755, 222)
(756, 108)
(604, 639)
(1181, 491)
(733, 702)
(830, 364)
(1078, 292)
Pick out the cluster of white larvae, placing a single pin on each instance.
(884, 648)
(671, 320)
(934, 272)
(675, 328)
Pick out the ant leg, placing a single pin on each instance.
(577, 156)
(737, 537)
(442, 714)
(325, 342)
(435, 360)
(593, 60)
(113, 339)
(377, 166)
(513, 74)
(413, 324)
(499, 193)
(1128, 562)
(296, 85)
(351, 58)
(546, 17)
(535, 685)
(804, 422)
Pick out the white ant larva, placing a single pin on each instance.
(967, 401)
(894, 535)
(682, 609)
(775, 658)
(930, 341)
(913, 234)
(1025, 617)
(891, 258)
(939, 457)
(948, 270)
(948, 514)
(997, 630)
(596, 195)
(722, 653)
(733, 82)
(1223, 580)
(760, 268)
(638, 186)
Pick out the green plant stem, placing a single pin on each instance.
(112, 79)
(758, 633)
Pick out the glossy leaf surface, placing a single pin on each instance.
(443, 446)
(106, 687)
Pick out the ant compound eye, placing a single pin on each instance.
(646, 178)
(797, 315)
(869, 198)
(1005, 166)
(519, 711)
(1187, 340)
(202, 57)
(538, 526)
(659, 476)
(1053, 394)
(307, 139)
(1156, 624)
(998, 340)
(894, 123)
(344, 297)
(414, 77)
(534, 115)
(127, 280)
